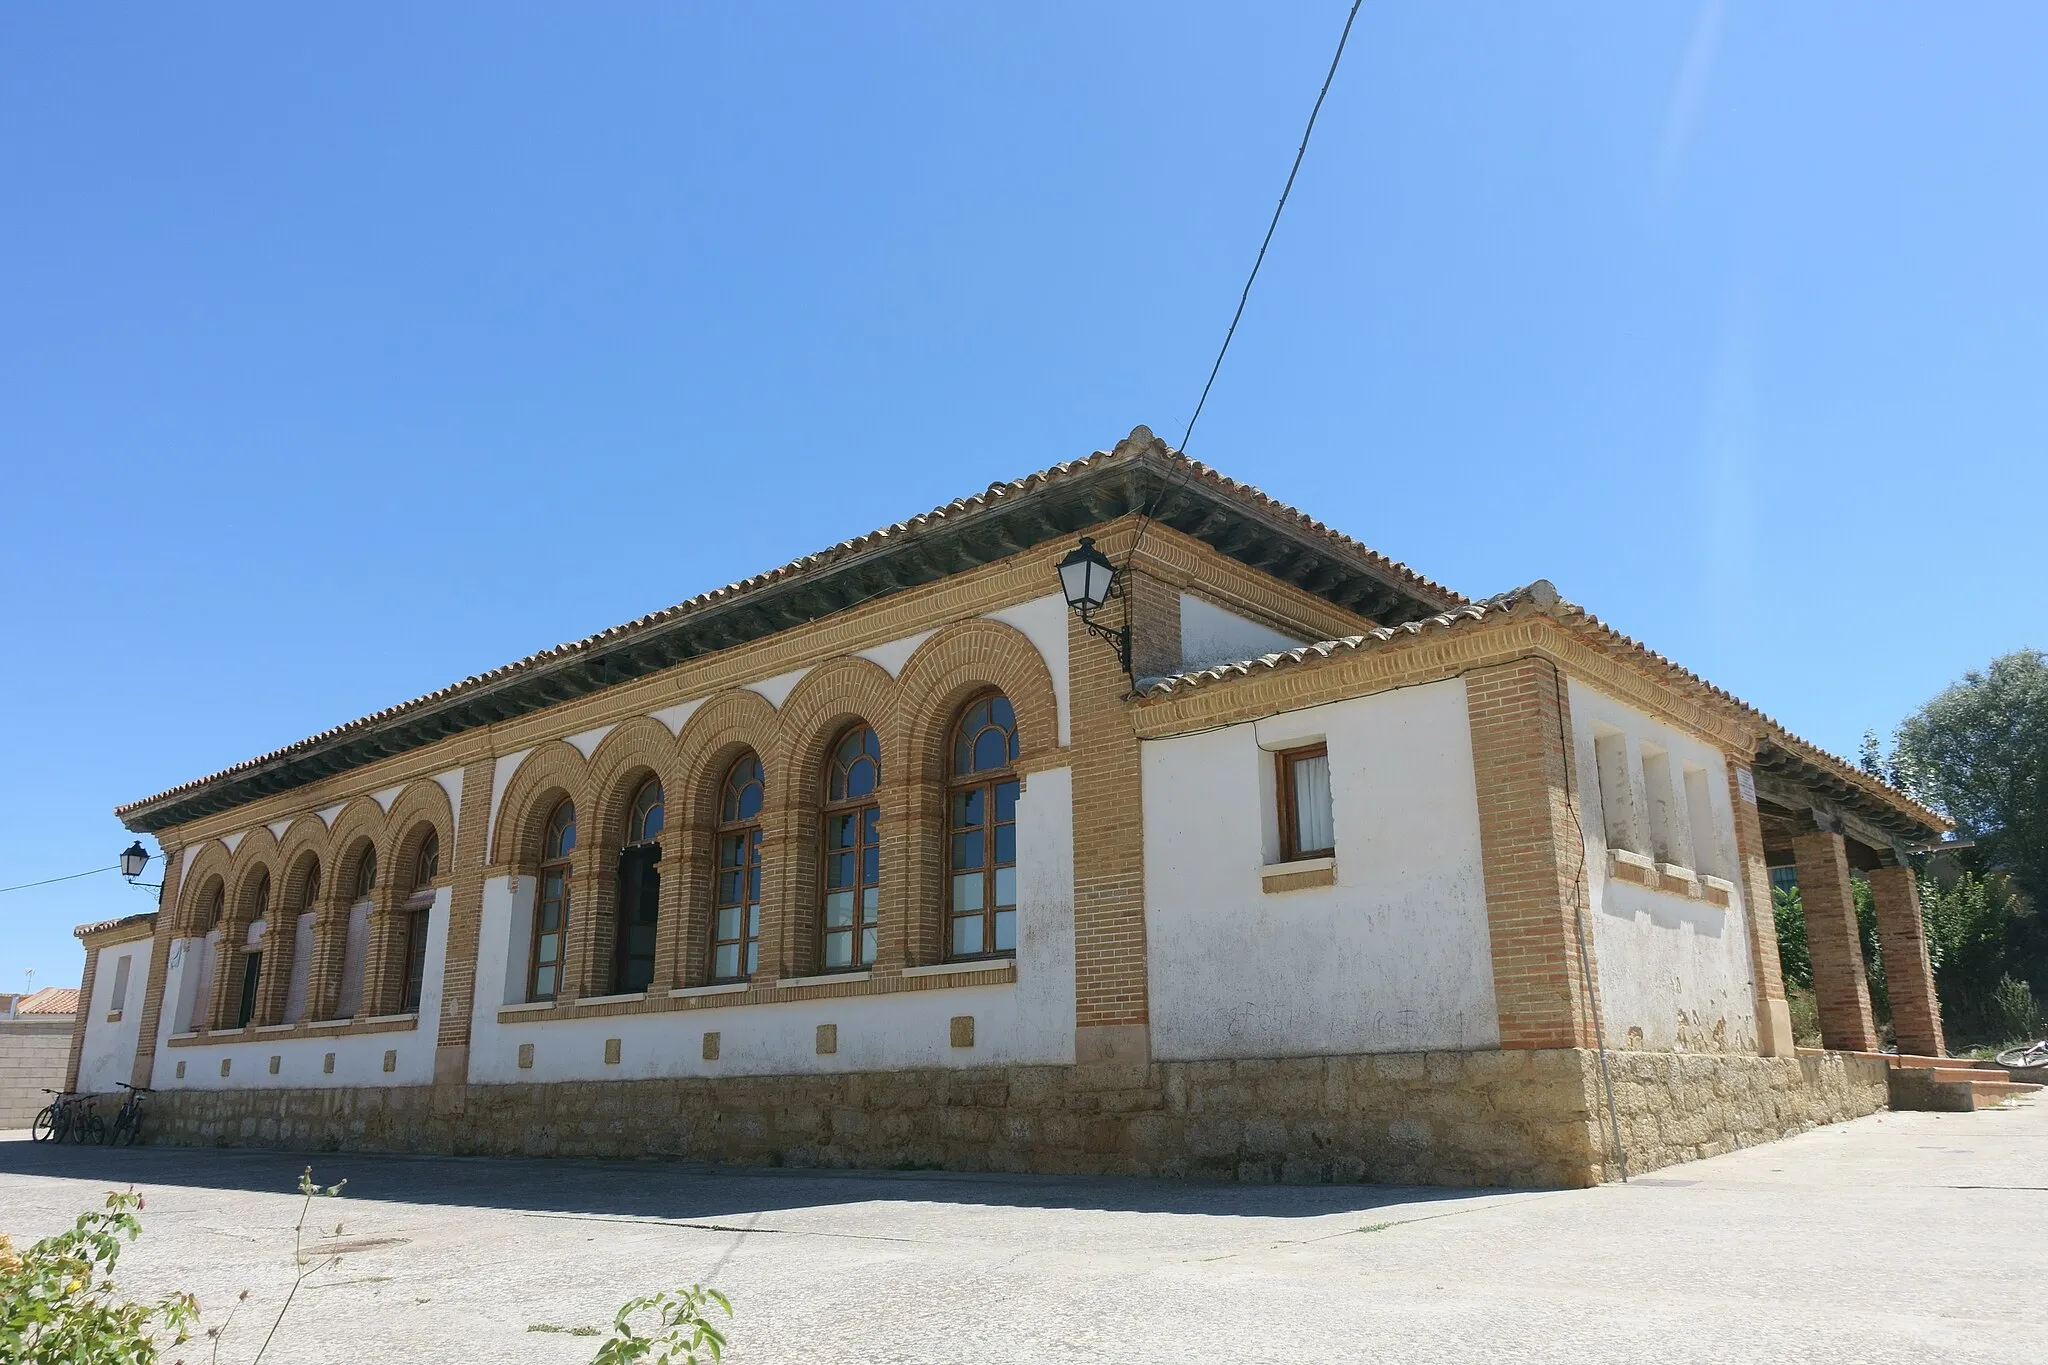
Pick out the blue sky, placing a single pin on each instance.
(346, 353)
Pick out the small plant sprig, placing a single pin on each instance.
(307, 1265)
(680, 1330)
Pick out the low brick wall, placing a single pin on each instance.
(34, 1053)
(1454, 1118)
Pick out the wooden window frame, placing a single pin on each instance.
(639, 863)
(418, 925)
(747, 945)
(858, 807)
(366, 876)
(986, 781)
(1290, 818)
(561, 862)
(422, 873)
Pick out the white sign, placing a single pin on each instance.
(1746, 784)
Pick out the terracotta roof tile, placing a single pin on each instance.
(50, 1000)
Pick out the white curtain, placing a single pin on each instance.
(1313, 826)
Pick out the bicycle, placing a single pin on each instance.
(128, 1123)
(86, 1125)
(2024, 1058)
(53, 1121)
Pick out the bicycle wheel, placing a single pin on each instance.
(93, 1129)
(124, 1127)
(44, 1126)
(2022, 1058)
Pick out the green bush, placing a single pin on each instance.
(59, 1306)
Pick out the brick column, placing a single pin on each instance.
(274, 977)
(682, 949)
(1753, 876)
(159, 966)
(789, 891)
(82, 1019)
(330, 947)
(579, 943)
(384, 954)
(1908, 976)
(1832, 942)
(1533, 853)
(465, 920)
(1111, 993)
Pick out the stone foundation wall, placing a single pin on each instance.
(1456, 1118)
(1677, 1107)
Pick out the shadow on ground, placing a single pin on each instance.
(682, 1190)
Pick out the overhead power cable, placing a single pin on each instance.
(50, 881)
(1244, 296)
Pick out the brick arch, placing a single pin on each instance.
(713, 737)
(552, 771)
(948, 671)
(305, 846)
(727, 724)
(255, 859)
(831, 697)
(421, 807)
(208, 868)
(959, 663)
(635, 750)
(360, 825)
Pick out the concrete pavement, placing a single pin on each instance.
(1897, 1238)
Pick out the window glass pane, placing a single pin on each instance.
(1006, 931)
(549, 948)
(1313, 826)
(726, 961)
(966, 892)
(991, 750)
(839, 948)
(753, 957)
(870, 904)
(871, 866)
(839, 908)
(1006, 800)
(1006, 844)
(967, 850)
(544, 982)
(967, 808)
(867, 945)
(729, 922)
(967, 934)
(1006, 886)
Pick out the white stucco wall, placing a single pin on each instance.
(1210, 634)
(1392, 958)
(358, 1059)
(108, 1056)
(1030, 1020)
(1674, 971)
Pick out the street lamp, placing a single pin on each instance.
(1088, 580)
(133, 859)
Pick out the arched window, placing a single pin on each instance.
(551, 905)
(216, 907)
(252, 962)
(366, 874)
(212, 917)
(639, 903)
(736, 909)
(853, 854)
(981, 855)
(426, 867)
(310, 897)
(419, 912)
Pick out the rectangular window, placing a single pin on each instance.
(639, 913)
(982, 861)
(1617, 793)
(117, 999)
(736, 925)
(550, 921)
(1699, 810)
(1307, 824)
(416, 926)
(1657, 796)
(853, 888)
(252, 972)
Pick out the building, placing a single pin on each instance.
(883, 858)
(34, 1031)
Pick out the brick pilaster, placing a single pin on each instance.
(159, 967)
(1773, 1018)
(81, 1020)
(465, 919)
(384, 953)
(1533, 853)
(274, 977)
(1111, 993)
(1908, 976)
(329, 948)
(1833, 943)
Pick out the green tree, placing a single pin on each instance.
(1978, 753)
